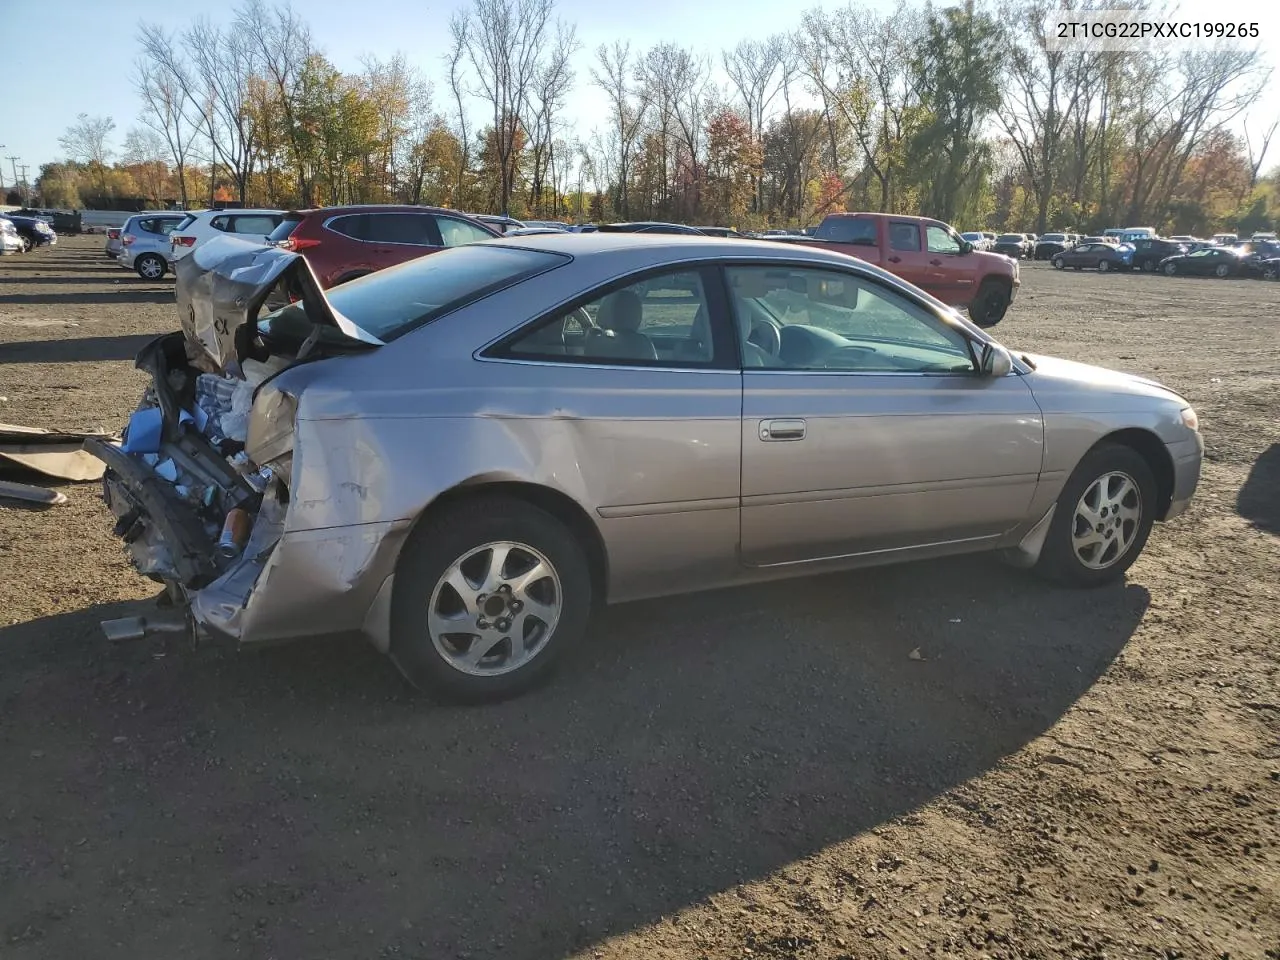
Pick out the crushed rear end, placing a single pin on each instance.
(200, 484)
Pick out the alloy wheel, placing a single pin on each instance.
(494, 609)
(151, 268)
(1106, 521)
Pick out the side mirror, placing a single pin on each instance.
(965, 247)
(995, 361)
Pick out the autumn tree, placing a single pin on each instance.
(960, 88)
(733, 166)
(614, 74)
(87, 141)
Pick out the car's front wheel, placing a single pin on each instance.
(1102, 519)
(1222, 271)
(488, 595)
(1170, 269)
(1058, 263)
(150, 266)
(1104, 266)
(1148, 266)
(1270, 273)
(990, 305)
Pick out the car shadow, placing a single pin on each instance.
(126, 294)
(125, 277)
(301, 799)
(75, 349)
(1259, 497)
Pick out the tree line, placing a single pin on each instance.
(961, 113)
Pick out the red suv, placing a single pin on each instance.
(342, 243)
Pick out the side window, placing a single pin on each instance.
(940, 240)
(851, 230)
(254, 224)
(829, 321)
(407, 228)
(164, 225)
(220, 223)
(904, 236)
(353, 225)
(658, 321)
(455, 233)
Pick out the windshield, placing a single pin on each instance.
(391, 302)
(1010, 238)
(1054, 236)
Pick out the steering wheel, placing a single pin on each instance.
(766, 336)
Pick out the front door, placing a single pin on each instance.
(950, 274)
(906, 255)
(868, 430)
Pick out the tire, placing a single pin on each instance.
(1271, 273)
(1222, 271)
(1170, 269)
(150, 266)
(1061, 558)
(1148, 266)
(990, 305)
(27, 245)
(1077, 269)
(1057, 263)
(459, 543)
(1104, 266)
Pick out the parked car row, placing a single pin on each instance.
(1260, 258)
(21, 234)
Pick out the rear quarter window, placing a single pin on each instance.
(852, 230)
(284, 229)
(394, 301)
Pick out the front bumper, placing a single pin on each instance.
(1187, 456)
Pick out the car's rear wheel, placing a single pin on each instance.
(990, 305)
(488, 596)
(1104, 266)
(26, 244)
(1058, 263)
(1102, 520)
(1148, 266)
(1222, 271)
(1270, 273)
(150, 266)
(1170, 269)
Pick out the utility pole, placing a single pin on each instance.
(23, 187)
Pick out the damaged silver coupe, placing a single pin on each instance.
(461, 457)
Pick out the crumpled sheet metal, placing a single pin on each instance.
(53, 453)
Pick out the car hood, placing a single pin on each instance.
(225, 283)
(1067, 373)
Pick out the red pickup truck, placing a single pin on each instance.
(927, 253)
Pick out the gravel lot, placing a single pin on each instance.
(762, 772)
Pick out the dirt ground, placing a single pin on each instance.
(752, 773)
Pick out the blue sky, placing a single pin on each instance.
(85, 64)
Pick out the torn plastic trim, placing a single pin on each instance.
(180, 527)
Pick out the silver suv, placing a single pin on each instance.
(144, 241)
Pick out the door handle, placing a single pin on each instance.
(936, 263)
(895, 259)
(781, 429)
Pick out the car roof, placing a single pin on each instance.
(212, 213)
(680, 247)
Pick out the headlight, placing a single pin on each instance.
(1189, 419)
